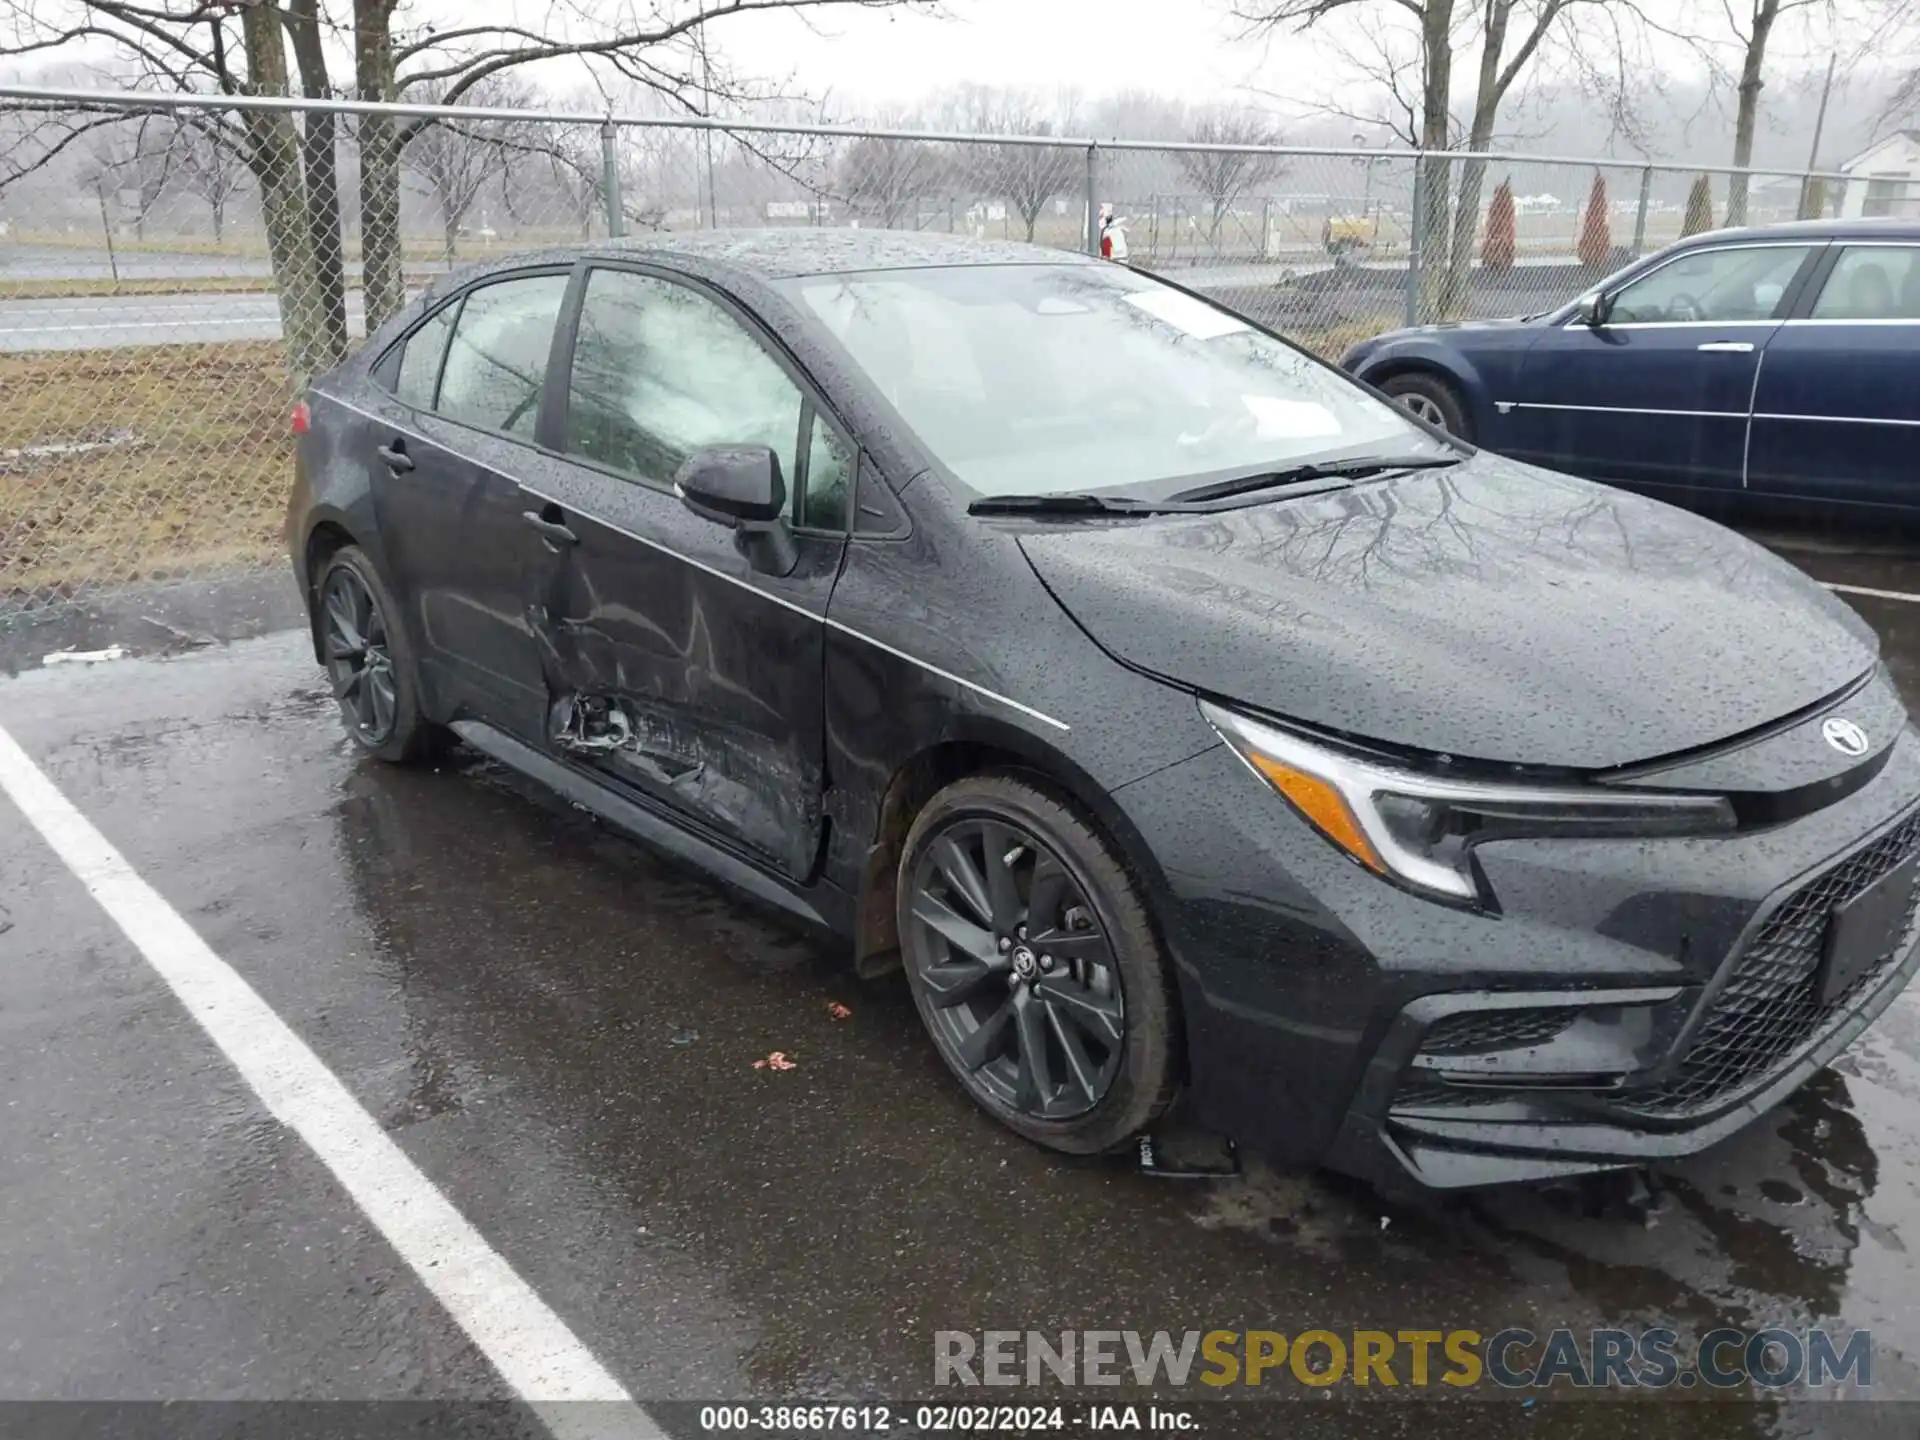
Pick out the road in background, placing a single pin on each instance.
(1306, 295)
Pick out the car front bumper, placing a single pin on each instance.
(1634, 1000)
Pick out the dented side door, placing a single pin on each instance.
(672, 666)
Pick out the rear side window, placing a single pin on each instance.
(498, 355)
(1872, 282)
(420, 359)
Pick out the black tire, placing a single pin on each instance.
(1110, 1086)
(1433, 399)
(374, 680)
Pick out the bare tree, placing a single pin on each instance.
(137, 160)
(231, 48)
(1222, 176)
(458, 158)
(211, 169)
(1505, 37)
(888, 178)
(1756, 26)
(1026, 176)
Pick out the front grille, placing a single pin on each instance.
(1475, 1032)
(1416, 1095)
(1770, 1010)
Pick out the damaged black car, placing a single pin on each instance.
(1190, 723)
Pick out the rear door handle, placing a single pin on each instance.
(396, 457)
(1728, 347)
(551, 531)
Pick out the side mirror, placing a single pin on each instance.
(1591, 310)
(732, 485)
(740, 486)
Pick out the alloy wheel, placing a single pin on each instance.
(1423, 407)
(359, 661)
(1021, 985)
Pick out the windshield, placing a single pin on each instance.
(1040, 379)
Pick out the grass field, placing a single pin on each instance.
(91, 287)
(140, 464)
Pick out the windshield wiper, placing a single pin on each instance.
(1069, 503)
(1356, 468)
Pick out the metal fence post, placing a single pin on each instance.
(610, 179)
(1093, 199)
(1640, 215)
(1415, 235)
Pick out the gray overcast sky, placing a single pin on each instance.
(1178, 47)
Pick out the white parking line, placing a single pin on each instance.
(531, 1347)
(1875, 594)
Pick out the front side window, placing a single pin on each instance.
(827, 485)
(1052, 378)
(660, 371)
(1744, 283)
(497, 358)
(1872, 282)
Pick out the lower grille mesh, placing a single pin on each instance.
(1770, 1007)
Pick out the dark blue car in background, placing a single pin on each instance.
(1776, 362)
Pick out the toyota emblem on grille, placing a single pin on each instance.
(1845, 736)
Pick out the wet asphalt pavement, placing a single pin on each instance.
(559, 1029)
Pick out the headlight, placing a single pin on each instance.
(1419, 829)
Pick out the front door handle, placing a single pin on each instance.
(1727, 347)
(396, 457)
(551, 531)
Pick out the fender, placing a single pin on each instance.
(1420, 350)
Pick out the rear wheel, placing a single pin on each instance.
(1034, 967)
(370, 663)
(1432, 399)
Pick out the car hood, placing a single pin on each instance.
(1488, 611)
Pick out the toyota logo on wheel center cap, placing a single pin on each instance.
(1024, 964)
(1845, 736)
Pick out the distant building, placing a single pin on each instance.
(1885, 179)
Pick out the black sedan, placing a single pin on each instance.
(1775, 363)
(1187, 721)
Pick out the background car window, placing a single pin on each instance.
(498, 356)
(420, 359)
(829, 482)
(1746, 283)
(659, 371)
(1872, 282)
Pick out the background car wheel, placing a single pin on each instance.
(369, 662)
(1432, 399)
(1034, 967)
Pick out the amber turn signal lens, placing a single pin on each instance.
(1321, 803)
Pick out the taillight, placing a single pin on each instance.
(302, 417)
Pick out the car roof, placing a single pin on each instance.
(808, 250)
(1873, 228)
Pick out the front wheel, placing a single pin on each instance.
(1432, 399)
(1033, 965)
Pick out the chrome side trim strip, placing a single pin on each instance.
(1836, 419)
(1622, 410)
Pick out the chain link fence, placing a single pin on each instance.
(173, 268)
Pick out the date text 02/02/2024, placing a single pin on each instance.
(940, 1419)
